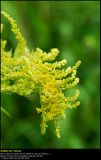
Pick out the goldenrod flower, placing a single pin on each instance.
(24, 72)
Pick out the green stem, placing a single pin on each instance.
(5, 112)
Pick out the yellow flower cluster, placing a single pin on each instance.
(24, 73)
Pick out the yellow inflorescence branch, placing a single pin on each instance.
(26, 72)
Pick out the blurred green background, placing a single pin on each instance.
(73, 27)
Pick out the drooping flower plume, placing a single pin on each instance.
(23, 72)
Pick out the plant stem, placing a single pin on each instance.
(5, 112)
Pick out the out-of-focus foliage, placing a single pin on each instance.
(73, 27)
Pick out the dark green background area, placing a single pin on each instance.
(73, 27)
